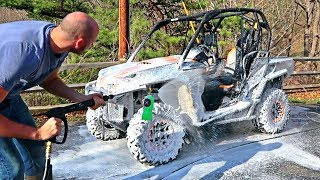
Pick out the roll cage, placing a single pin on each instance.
(203, 18)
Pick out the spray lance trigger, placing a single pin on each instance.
(148, 103)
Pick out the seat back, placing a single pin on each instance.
(247, 49)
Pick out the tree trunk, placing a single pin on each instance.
(315, 32)
(307, 30)
(290, 37)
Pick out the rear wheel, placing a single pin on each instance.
(273, 111)
(99, 128)
(157, 141)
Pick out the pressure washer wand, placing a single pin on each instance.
(60, 112)
(47, 175)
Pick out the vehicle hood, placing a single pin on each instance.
(136, 75)
(129, 68)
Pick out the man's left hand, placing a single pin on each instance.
(98, 99)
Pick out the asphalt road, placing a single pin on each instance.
(233, 151)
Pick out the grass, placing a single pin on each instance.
(311, 97)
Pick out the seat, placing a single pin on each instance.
(231, 60)
(248, 45)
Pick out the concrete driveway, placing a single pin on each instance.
(234, 151)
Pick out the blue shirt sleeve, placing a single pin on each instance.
(16, 62)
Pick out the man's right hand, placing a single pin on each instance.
(50, 128)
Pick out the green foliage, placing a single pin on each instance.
(48, 9)
(79, 75)
(230, 25)
(150, 53)
(304, 100)
(195, 5)
(139, 27)
(229, 32)
(107, 18)
(162, 44)
(250, 5)
(223, 43)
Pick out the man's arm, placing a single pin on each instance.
(10, 129)
(56, 86)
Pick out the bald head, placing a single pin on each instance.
(79, 28)
(78, 24)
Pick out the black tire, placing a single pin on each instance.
(273, 111)
(99, 128)
(157, 141)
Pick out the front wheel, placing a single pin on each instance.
(100, 128)
(157, 141)
(273, 111)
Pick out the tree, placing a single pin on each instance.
(311, 9)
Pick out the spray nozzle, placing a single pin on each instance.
(148, 103)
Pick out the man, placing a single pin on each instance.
(30, 54)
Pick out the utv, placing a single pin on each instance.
(204, 84)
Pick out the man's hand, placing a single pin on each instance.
(52, 127)
(98, 100)
(56, 86)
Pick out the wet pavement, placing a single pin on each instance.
(232, 151)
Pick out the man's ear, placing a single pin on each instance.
(79, 43)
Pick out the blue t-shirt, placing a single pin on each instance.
(26, 58)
